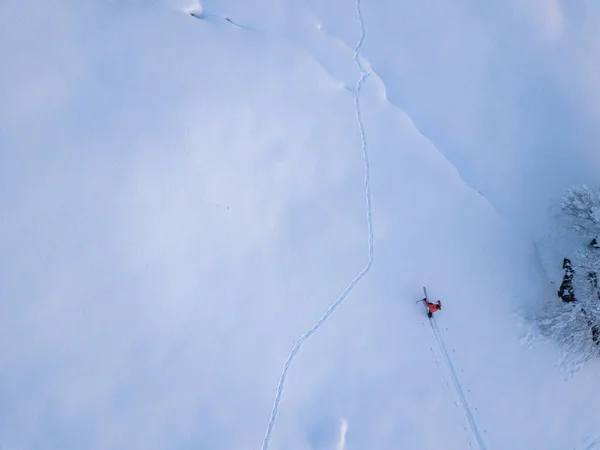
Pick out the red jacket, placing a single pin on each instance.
(433, 307)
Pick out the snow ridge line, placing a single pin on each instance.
(458, 387)
(367, 181)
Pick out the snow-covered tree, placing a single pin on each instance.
(575, 322)
(581, 207)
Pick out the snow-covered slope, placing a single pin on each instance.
(184, 197)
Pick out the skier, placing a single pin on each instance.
(433, 307)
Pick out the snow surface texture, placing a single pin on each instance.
(458, 387)
(183, 197)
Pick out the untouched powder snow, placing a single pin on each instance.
(183, 192)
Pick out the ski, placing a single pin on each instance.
(424, 304)
(426, 297)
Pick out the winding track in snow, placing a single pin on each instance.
(458, 387)
(298, 344)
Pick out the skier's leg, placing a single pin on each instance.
(429, 314)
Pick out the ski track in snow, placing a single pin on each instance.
(298, 344)
(592, 445)
(458, 387)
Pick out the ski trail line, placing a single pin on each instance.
(458, 388)
(367, 181)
